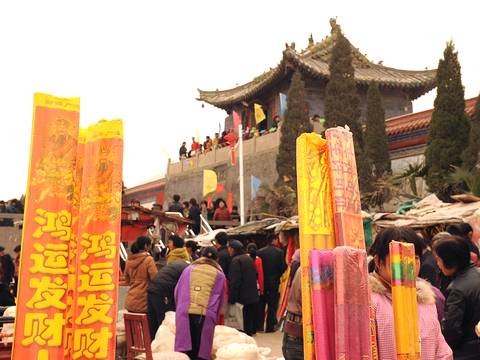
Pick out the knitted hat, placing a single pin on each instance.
(236, 245)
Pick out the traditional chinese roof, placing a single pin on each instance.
(314, 62)
(420, 120)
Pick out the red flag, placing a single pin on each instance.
(220, 188)
(232, 140)
(236, 120)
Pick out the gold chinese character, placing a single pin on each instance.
(41, 330)
(57, 224)
(50, 259)
(89, 344)
(47, 293)
(97, 277)
(94, 309)
(99, 245)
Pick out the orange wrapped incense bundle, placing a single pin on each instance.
(47, 230)
(402, 260)
(315, 219)
(97, 257)
(352, 322)
(344, 187)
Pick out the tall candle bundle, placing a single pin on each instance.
(321, 270)
(405, 311)
(352, 326)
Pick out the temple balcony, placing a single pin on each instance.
(252, 146)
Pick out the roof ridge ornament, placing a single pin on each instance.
(336, 29)
(311, 42)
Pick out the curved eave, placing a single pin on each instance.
(226, 98)
(415, 83)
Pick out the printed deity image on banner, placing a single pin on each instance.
(54, 170)
(317, 169)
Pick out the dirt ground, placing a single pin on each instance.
(272, 341)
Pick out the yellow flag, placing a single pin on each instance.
(259, 114)
(209, 182)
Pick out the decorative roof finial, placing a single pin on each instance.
(292, 45)
(310, 40)
(335, 27)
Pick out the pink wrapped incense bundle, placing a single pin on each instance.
(404, 297)
(352, 310)
(321, 272)
(344, 187)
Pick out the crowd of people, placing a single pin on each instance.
(196, 284)
(216, 210)
(201, 284)
(226, 138)
(448, 296)
(12, 206)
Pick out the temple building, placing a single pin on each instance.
(398, 87)
(407, 136)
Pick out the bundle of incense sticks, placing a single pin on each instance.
(315, 219)
(344, 187)
(404, 295)
(321, 275)
(352, 310)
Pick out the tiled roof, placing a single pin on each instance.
(314, 61)
(152, 185)
(420, 120)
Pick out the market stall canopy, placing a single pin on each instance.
(430, 212)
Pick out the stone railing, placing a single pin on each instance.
(215, 157)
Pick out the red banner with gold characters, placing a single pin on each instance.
(67, 299)
(41, 302)
(97, 257)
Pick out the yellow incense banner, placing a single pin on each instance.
(404, 297)
(47, 232)
(97, 258)
(315, 218)
(345, 191)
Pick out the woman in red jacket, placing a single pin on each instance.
(222, 213)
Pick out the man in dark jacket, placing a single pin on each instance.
(224, 258)
(194, 213)
(160, 294)
(462, 307)
(242, 285)
(176, 206)
(273, 268)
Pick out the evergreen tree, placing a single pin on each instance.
(449, 127)
(470, 156)
(296, 122)
(342, 103)
(376, 145)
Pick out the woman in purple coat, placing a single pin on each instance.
(198, 296)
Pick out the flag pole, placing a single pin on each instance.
(240, 158)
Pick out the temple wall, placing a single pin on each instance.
(186, 178)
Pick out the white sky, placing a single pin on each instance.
(142, 61)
